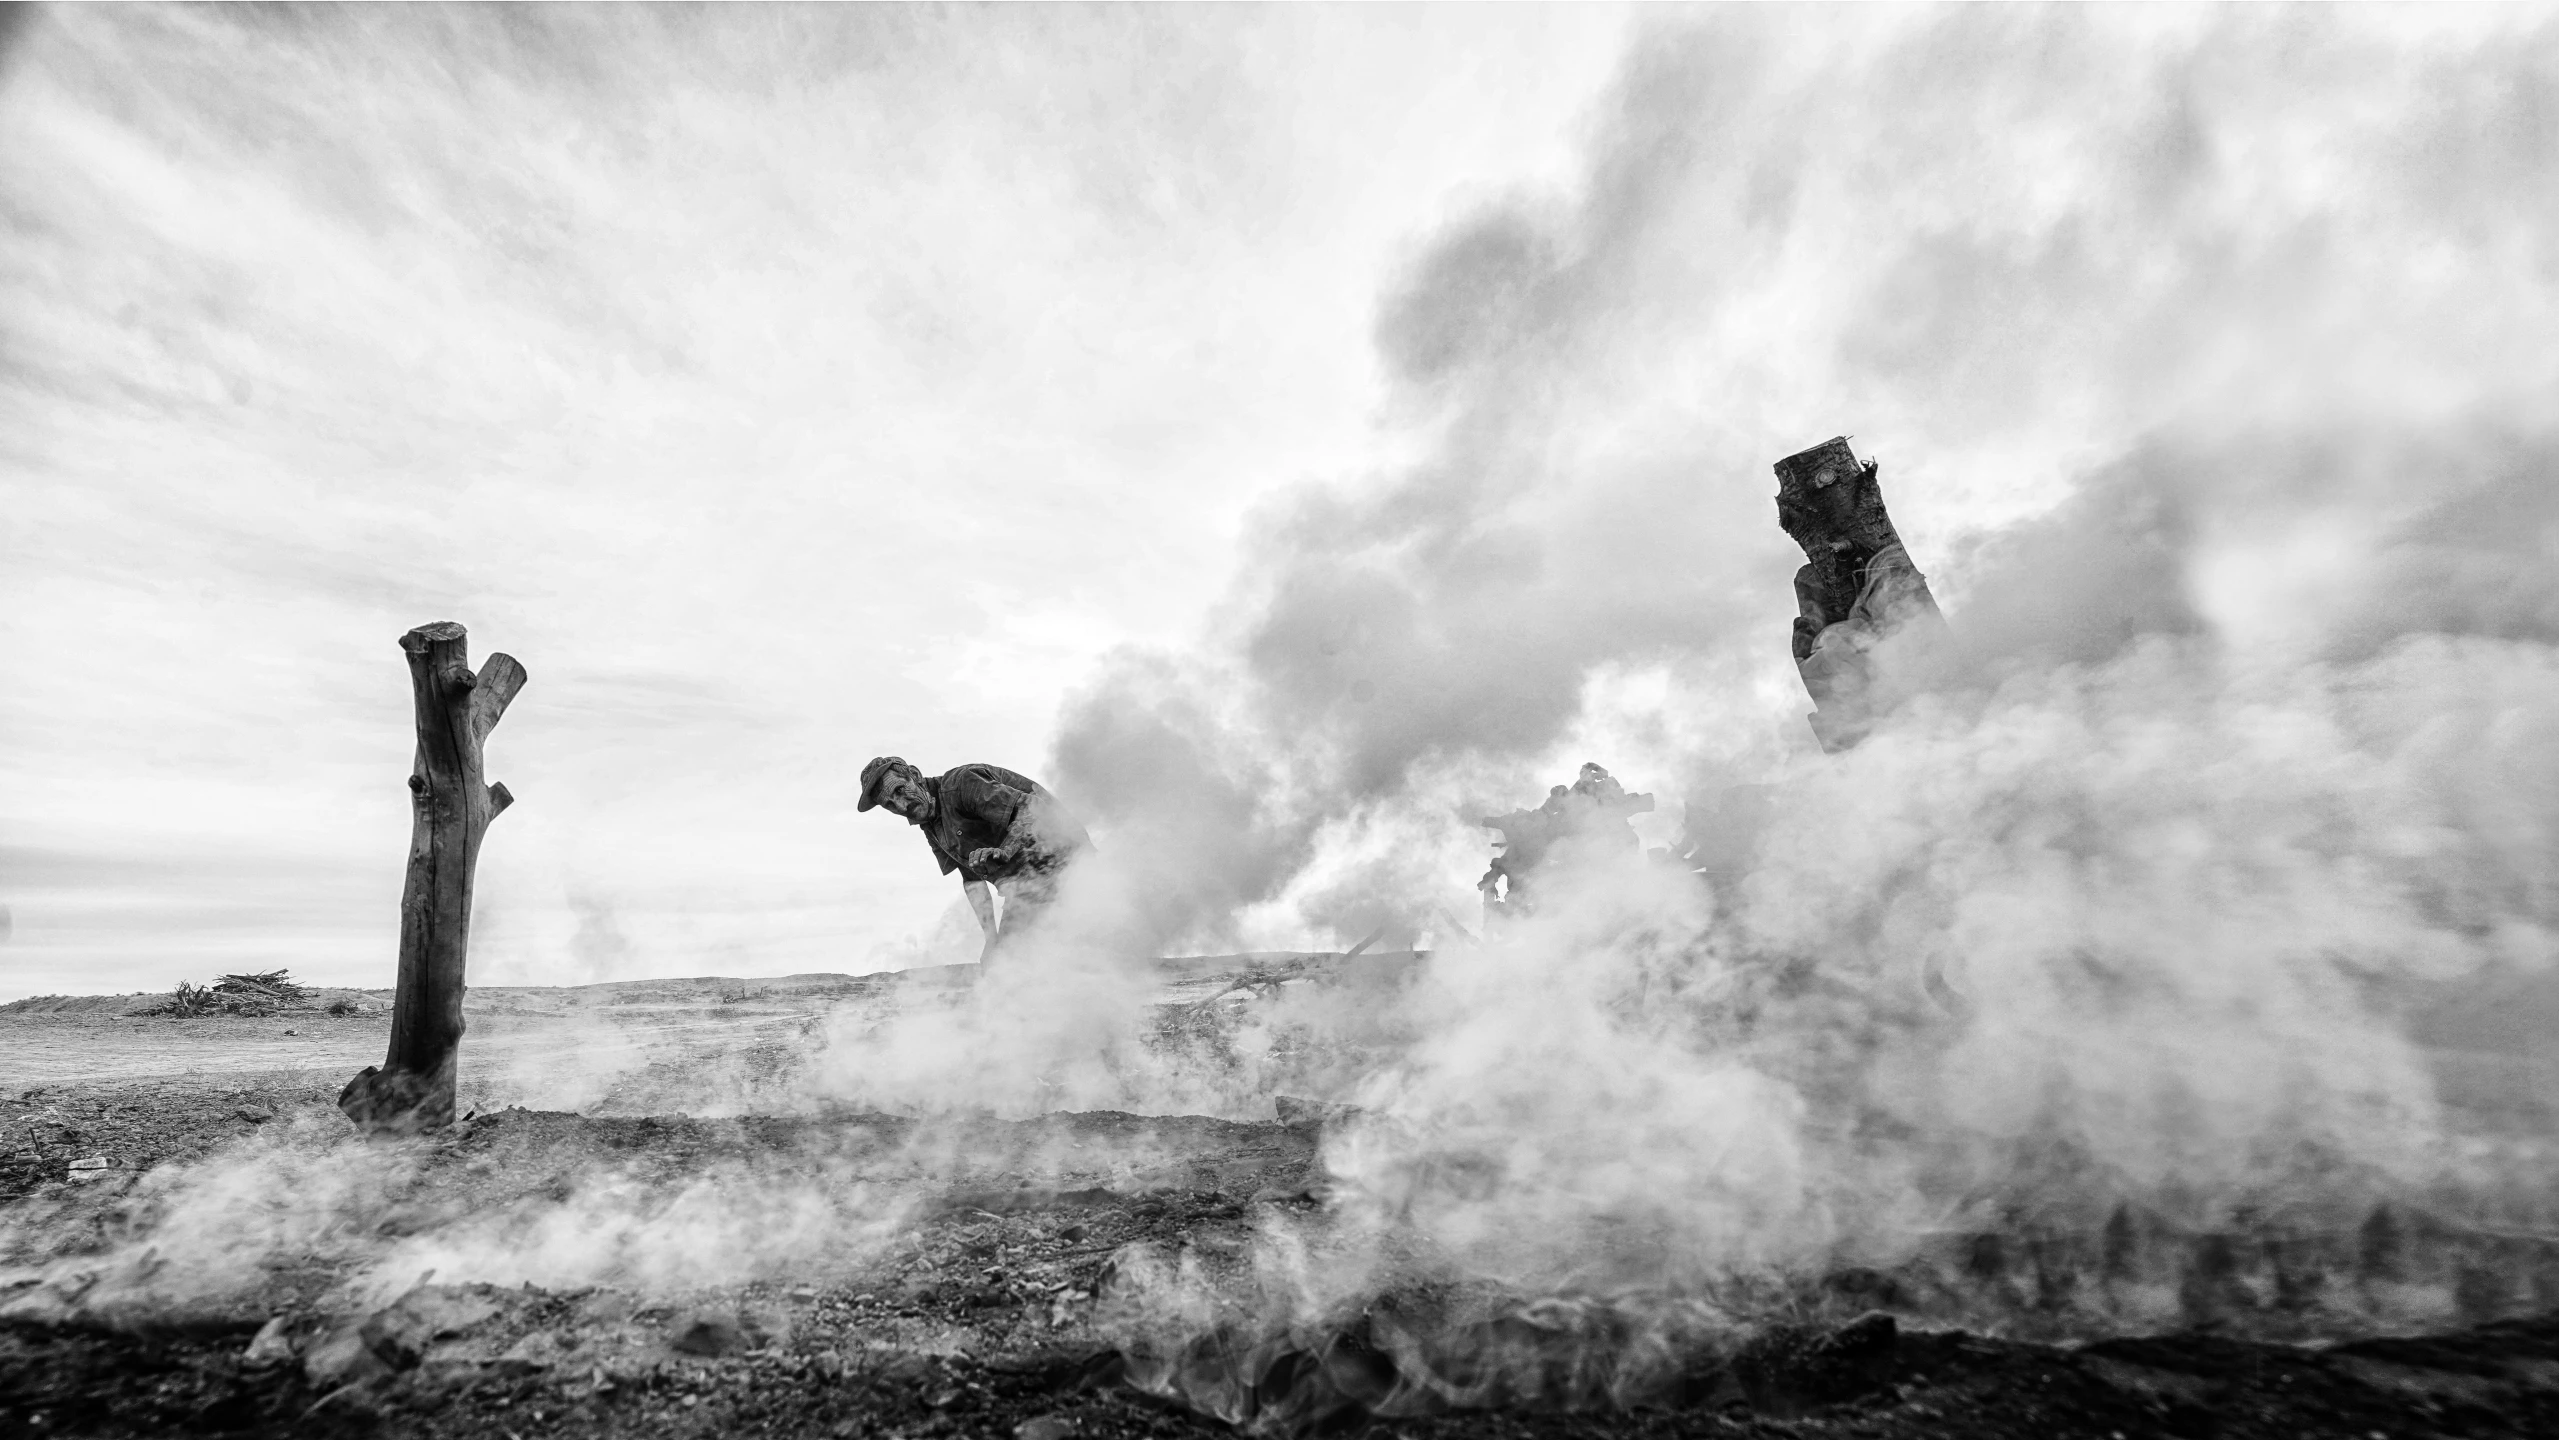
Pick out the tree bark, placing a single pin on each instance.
(412, 1089)
(1858, 586)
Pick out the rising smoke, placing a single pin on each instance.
(2234, 482)
(2206, 359)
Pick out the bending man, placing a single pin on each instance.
(1001, 830)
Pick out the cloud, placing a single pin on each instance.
(778, 387)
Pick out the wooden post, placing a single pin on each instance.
(412, 1089)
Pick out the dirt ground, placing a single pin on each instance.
(972, 1277)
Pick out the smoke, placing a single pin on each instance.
(2159, 291)
(955, 939)
(598, 947)
(2204, 355)
(1056, 1017)
(362, 1220)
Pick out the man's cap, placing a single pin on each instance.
(876, 774)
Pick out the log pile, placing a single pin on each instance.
(265, 993)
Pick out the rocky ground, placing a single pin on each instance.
(241, 1264)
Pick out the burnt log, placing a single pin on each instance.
(451, 807)
(1857, 588)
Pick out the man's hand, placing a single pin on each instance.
(992, 857)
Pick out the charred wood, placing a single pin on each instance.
(1857, 588)
(451, 807)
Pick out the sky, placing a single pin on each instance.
(781, 387)
(1283, 430)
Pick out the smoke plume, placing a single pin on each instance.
(2205, 358)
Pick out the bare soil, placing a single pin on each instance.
(981, 1302)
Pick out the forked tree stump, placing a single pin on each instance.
(412, 1089)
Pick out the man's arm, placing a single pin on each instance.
(1000, 807)
(1021, 837)
(982, 900)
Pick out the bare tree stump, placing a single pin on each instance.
(1858, 586)
(412, 1089)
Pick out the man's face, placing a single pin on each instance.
(900, 794)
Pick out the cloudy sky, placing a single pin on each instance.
(1296, 413)
(780, 387)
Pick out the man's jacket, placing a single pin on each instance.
(981, 807)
